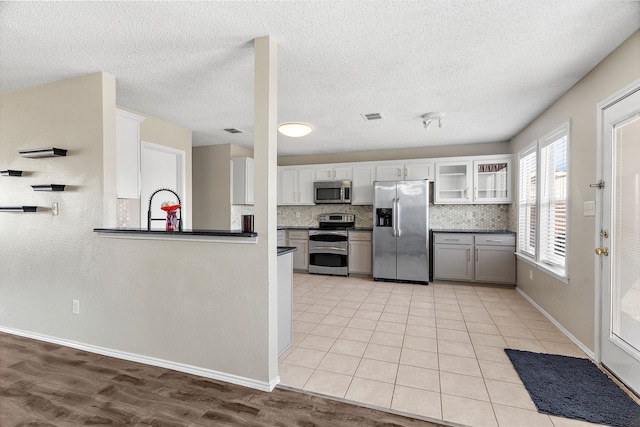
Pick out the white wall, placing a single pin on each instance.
(196, 304)
(573, 304)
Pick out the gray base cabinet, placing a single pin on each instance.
(300, 240)
(468, 257)
(360, 252)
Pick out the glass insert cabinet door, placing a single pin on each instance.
(453, 182)
(492, 181)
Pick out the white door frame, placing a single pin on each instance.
(182, 188)
(602, 174)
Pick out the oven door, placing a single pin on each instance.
(329, 258)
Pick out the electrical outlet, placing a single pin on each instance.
(76, 306)
(54, 209)
(297, 214)
(530, 274)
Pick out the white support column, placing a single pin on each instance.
(265, 148)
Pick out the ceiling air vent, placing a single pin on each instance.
(372, 116)
(233, 130)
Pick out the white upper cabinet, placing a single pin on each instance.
(333, 173)
(127, 154)
(242, 181)
(457, 180)
(295, 185)
(479, 181)
(404, 171)
(418, 170)
(362, 185)
(453, 183)
(492, 181)
(390, 172)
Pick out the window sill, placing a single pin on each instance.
(557, 274)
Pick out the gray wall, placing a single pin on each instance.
(573, 304)
(400, 154)
(195, 304)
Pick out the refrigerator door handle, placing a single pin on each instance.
(393, 216)
(398, 232)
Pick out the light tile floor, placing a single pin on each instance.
(436, 351)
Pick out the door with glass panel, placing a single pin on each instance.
(618, 253)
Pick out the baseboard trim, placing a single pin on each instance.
(575, 340)
(132, 357)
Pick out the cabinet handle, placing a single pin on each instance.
(399, 172)
(466, 193)
(494, 240)
(349, 248)
(476, 254)
(299, 196)
(468, 254)
(452, 240)
(334, 174)
(406, 172)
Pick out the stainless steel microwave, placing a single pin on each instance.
(332, 192)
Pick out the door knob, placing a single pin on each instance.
(602, 251)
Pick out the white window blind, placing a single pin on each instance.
(527, 202)
(543, 200)
(553, 198)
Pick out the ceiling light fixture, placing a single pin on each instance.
(430, 117)
(295, 129)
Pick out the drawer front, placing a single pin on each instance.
(453, 238)
(360, 235)
(298, 234)
(496, 239)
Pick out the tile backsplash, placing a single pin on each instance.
(469, 217)
(308, 215)
(236, 215)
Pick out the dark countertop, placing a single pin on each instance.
(212, 233)
(308, 227)
(453, 230)
(286, 249)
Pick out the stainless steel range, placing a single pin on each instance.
(329, 244)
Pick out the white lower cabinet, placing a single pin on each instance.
(299, 239)
(360, 252)
(469, 257)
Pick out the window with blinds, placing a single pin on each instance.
(553, 198)
(542, 202)
(527, 202)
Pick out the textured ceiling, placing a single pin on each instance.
(490, 66)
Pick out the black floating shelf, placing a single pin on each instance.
(48, 187)
(10, 172)
(18, 208)
(43, 152)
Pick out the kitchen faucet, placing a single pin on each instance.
(149, 219)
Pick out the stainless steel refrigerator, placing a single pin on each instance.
(400, 231)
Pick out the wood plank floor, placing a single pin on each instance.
(43, 384)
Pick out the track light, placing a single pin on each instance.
(430, 117)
